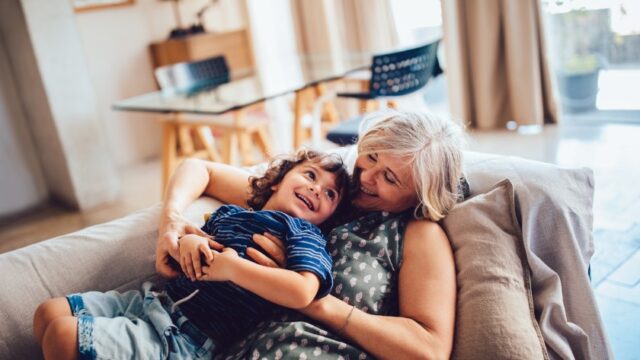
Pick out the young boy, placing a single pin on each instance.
(232, 293)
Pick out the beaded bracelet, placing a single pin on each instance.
(346, 321)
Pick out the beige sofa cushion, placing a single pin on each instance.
(495, 317)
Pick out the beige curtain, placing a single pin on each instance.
(339, 29)
(496, 63)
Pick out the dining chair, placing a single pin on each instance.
(193, 135)
(393, 75)
(192, 77)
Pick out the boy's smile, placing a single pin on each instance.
(306, 191)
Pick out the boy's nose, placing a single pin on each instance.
(314, 189)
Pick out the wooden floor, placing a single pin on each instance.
(612, 151)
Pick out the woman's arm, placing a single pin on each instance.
(192, 179)
(427, 294)
(280, 286)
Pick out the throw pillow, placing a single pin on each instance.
(495, 317)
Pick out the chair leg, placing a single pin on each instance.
(210, 147)
(370, 106)
(244, 139)
(261, 138)
(329, 111)
(169, 152)
(185, 142)
(229, 147)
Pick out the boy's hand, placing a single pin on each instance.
(191, 248)
(221, 266)
(173, 226)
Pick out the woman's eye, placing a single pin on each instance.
(373, 157)
(389, 179)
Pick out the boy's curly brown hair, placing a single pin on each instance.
(261, 185)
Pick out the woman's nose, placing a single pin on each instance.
(367, 176)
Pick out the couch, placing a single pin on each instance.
(549, 207)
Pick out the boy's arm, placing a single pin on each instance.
(284, 287)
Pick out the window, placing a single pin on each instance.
(594, 48)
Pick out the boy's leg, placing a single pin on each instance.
(46, 313)
(60, 340)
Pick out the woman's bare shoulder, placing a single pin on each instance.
(425, 236)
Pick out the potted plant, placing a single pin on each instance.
(580, 38)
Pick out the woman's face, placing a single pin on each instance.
(385, 183)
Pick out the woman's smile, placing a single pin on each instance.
(366, 191)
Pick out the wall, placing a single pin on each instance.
(54, 90)
(116, 44)
(22, 183)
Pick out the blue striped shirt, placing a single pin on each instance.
(224, 310)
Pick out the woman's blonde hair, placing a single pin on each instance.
(433, 148)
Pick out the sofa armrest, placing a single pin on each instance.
(116, 255)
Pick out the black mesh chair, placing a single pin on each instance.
(392, 74)
(192, 77)
(191, 135)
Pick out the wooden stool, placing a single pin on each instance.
(192, 137)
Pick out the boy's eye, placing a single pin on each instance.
(332, 195)
(310, 174)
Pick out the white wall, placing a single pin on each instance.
(116, 44)
(55, 92)
(22, 184)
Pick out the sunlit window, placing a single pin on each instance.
(594, 47)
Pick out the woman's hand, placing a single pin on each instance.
(220, 266)
(273, 246)
(172, 227)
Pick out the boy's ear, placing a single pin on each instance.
(275, 187)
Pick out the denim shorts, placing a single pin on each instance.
(137, 324)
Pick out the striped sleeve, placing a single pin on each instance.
(220, 213)
(306, 251)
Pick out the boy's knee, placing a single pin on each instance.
(60, 338)
(52, 309)
(47, 312)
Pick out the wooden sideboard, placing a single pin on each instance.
(234, 45)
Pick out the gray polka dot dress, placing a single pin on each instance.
(366, 253)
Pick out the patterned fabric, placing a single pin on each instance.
(226, 311)
(367, 254)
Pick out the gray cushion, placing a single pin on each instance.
(555, 209)
(494, 316)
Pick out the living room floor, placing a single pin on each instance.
(610, 150)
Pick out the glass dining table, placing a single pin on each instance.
(306, 77)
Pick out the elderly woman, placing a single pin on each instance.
(394, 289)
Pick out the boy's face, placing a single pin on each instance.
(306, 191)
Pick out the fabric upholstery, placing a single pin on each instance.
(555, 210)
(553, 207)
(494, 316)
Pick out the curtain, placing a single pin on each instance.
(497, 68)
(340, 29)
